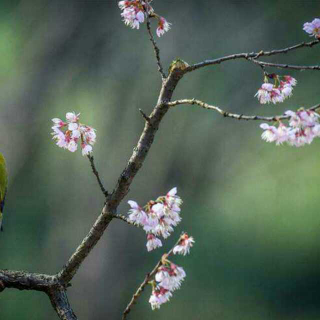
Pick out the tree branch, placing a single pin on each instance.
(156, 50)
(23, 280)
(229, 114)
(253, 55)
(284, 66)
(95, 172)
(60, 303)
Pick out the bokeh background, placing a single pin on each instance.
(252, 207)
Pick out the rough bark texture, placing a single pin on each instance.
(60, 303)
(23, 280)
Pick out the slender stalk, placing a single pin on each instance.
(229, 114)
(95, 172)
(142, 286)
(254, 55)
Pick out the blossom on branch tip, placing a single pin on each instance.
(184, 245)
(303, 128)
(68, 134)
(268, 93)
(159, 296)
(276, 92)
(313, 28)
(163, 26)
(153, 242)
(167, 279)
(134, 13)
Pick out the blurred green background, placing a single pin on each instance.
(252, 207)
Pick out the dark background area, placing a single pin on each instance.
(252, 207)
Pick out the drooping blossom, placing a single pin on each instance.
(167, 279)
(303, 127)
(158, 218)
(313, 28)
(153, 242)
(278, 92)
(136, 214)
(170, 277)
(159, 296)
(268, 93)
(184, 245)
(163, 26)
(68, 133)
(134, 13)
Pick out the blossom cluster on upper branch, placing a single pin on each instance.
(135, 12)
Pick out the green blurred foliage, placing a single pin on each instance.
(252, 207)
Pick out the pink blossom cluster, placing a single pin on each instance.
(134, 11)
(303, 128)
(68, 133)
(184, 245)
(169, 276)
(168, 279)
(313, 28)
(163, 26)
(277, 92)
(158, 218)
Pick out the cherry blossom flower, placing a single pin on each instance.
(163, 26)
(167, 279)
(159, 296)
(158, 218)
(74, 132)
(170, 277)
(134, 13)
(153, 242)
(184, 245)
(132, 17)
(303, 128)
(136, 214)
(313, 28)
(277, 92)
(290, 81)
(270, 133)
(268, 93)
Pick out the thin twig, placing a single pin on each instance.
(284, 66)
(156, 50)
(253, 55)
(125, 219)
(145, 117)
(232, 115)
(144, 283)
(95, 172)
